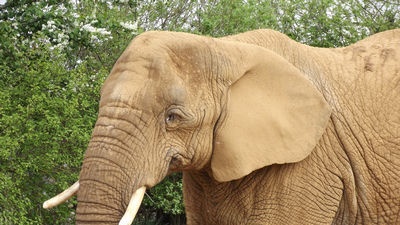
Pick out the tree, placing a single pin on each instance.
(46, 115)
(334, 23)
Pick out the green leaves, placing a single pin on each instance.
(46, 116)
(167, 196)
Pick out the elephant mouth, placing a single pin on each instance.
(126, 219)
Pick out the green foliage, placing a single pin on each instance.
(54, 56)
(46, 115)
(326, 23)
(226, 17)
(163, 203)
(167, 196)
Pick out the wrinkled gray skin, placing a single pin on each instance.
(161, 107)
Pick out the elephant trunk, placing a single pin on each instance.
(103, 217)
(104, 199)
(100, 198)
(109, 177)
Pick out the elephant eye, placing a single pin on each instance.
(171, 117)
(176, 117)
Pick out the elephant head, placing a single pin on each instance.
(181, 102)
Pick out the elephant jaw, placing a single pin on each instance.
(126, 219)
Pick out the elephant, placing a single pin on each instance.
(265, 130)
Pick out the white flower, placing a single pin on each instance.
(109, 4)
(129, 25)
(50, 26)
(47, 8)
(75, 15)
(103, 31)
(91, 29)
(62, 8)
(61, 37)
(95, 39)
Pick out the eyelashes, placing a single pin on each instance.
(172, 117)
(177, 116)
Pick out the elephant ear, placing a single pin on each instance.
(273, 115)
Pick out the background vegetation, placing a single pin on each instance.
(54, 56)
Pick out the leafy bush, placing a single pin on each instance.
(46, 116)
(163, 203)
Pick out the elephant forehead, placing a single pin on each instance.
(147, 93)
(161, 93)
(121, 88)
(129, 77)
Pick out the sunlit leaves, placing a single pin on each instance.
(46, 115)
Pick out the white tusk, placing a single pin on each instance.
(62, 197)
(133, 206)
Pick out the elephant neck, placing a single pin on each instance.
(206, 199)
(242, 201)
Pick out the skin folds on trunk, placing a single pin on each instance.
(129, 215)
(99, 200)
(105, 186)
(113, 177)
